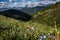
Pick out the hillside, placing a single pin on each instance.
(12, 13)
(40, 24)
(48, 15)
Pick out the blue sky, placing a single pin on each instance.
(21, 0)
(15, 0)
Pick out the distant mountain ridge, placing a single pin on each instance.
(33, 10)
(25, 9)
(12, 13)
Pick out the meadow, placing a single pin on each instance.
(43, 25)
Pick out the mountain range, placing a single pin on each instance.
(28, 6)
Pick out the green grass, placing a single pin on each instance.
(17, 30)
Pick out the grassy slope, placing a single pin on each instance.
(49, 15)
(17, 29)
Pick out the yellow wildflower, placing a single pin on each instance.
(58, 33)
(51, 31)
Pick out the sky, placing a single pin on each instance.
(27, 0)
(23, 3)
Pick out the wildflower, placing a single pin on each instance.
(48, 34)
(30, 28)
(44, 36)
(58, 33)
(40, 37)
(33, 28)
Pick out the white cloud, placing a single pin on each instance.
(23, 3)
(11, 0)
